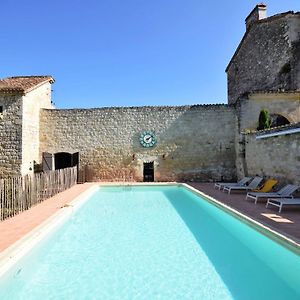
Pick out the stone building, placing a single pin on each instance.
(268, 56)
(21, 100)
(183, 143)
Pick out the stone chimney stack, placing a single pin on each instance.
(258, 13)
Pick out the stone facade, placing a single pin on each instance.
(10, 135)
(285, 104)
(19, 129)
(267, 58)
(277, 157)
(192, 144)
(33, 102)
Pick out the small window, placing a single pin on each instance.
(1, 109)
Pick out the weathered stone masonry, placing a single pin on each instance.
(11, 135)
(277, 156)
(268, 57)
(194, 142)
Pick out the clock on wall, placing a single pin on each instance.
(148, 139)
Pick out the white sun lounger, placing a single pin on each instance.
(242, 182)
(285, 192)
(252, 186)
(283, 201)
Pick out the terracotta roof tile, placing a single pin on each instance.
(22, 84)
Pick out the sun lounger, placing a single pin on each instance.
(242, 182)
(252, 185)
(283, 201)
(285, 192)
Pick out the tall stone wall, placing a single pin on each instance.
(273, 157)
(10, 135)
(193, 142)
(267, 58)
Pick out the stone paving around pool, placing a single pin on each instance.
(18, 226)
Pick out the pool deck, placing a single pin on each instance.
(16, 227)
(286, 223)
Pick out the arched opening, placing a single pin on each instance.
(278, 120)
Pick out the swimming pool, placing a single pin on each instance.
(154, 242)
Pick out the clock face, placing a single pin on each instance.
(147, 139)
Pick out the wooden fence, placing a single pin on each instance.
(20, 193)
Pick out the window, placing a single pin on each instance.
(1, 109)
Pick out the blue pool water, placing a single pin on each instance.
(154, 243)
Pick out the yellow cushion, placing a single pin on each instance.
(267, 186)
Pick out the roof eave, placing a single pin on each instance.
(48, 80)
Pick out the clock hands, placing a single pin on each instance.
(147, 139)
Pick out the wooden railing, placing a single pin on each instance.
(20, 193)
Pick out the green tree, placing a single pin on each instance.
(264, 121)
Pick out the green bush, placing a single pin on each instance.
(264, 121)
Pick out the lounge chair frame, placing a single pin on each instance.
(252, 185)
(242, 182)
(283, 201)
(285, 192)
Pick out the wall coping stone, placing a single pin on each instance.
(155, 108)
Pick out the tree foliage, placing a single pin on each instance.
(264, 121)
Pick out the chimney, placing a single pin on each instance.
(258, 13)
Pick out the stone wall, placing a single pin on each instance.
(194, 142)
(33, 101)
(19, 130)
(261, 156)
(273, 157)
(267, 58)
(285, 104)
(10, 135)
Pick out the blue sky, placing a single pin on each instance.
(126, 53)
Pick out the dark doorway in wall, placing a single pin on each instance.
(62, 160)
(148, 171)
(65, 160)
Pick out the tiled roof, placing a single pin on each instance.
(293, 128)
(22, 84)
(274, 129)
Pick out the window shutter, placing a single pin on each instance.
(47, 161)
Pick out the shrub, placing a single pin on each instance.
(264, 121)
